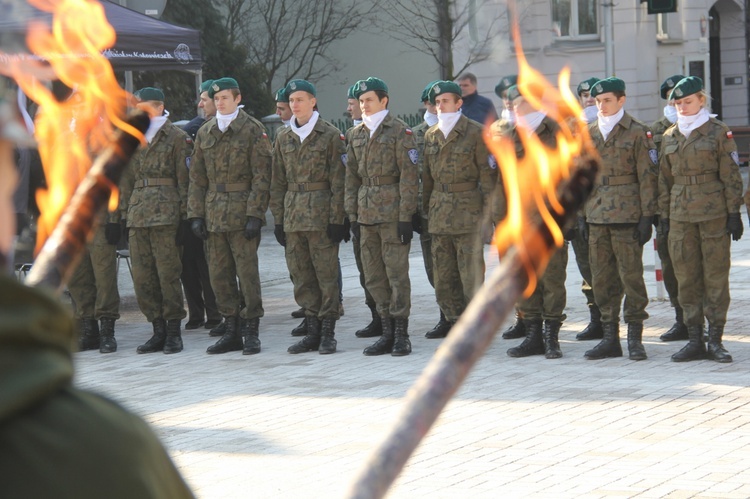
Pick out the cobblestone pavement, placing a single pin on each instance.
(280, 425)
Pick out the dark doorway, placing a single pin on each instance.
(714, 51)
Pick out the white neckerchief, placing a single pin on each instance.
(305, 130)
(430, 118)
(508, 116)
(356, 122)
(590, 114)
(687, 124)
(286, 123)
(670, 113)
(446, 122)
(530, 122)
(223, 120)
(373, 122)
(156, 123)
(607, 123)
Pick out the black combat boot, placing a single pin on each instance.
(610, 344)
(695, 349)
(300, 330)
(517, 330)
(374, 328)
(156, 342)
(231, 341)
(401, 342)
(249, 330)
(533, 344)
(636, 351)
(678, 331)
(89, 339)
(311, 341)
(594, 330)
(715, 350)
(107, 342)
(384, 344)
(219, 330)
(299, 313)
(327, 333)
(551, 343)
(173, 343)
(441, 329)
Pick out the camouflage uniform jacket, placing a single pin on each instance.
(165, 158)
(658, 128)
(419, 132)
(241, 154)
(626, 186)
(391, 152)
(453, 163)
(711, 153)
(319, 159)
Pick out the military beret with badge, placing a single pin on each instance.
(505, 83)
(350, 92)
(368, 85)
(149, 94)
(299, 86)
(426, 92)
(222, 84)
(669, 84)
(206, 85)
(585, 85)
(607, 85)
(512, 93)
(443, 87)
(687, 86)
(281, 95)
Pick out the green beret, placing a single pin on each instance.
(512, 93)
(585, 85)
(350, 92)
(426, 91)
(371, 83)
(281, 95)
(669, 84)
(299, 86)
(443, 87)
(222, 84)
(610, 84)
(687, 86)
(150, 93)
(505, 83)
(206, 85)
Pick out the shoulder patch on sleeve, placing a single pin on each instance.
(408, 131)
(344, 159)
(649, 134)
(188, 140)
(265, 135)
(342, 136)
(735, 157)
(413, 156)
(729, 134)
(492, 161)
(653, 155)
(187, 162)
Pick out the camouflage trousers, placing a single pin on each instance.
(425, 240)
(93, 285)
(386, 264)
(369, 300)
(616, 269)
(667, 268)
(581, 251)
(548, 300)
(157, 266)
(312, 260)
(701, 258)
(231, 256)
(458, 261)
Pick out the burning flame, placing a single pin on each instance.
(70, 132)
(530, 183)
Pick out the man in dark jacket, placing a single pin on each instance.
(475, 107)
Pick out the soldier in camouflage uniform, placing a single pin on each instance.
(154, 201)
(618, 220)
(700, 194)
(678, 331)
(381, 199)
(542, 312)
(230, 176)
(307, 203)
(458, 181)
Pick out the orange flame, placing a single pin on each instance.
(530, 183)
(70, 132)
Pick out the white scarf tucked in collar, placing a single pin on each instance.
(430, 118)
(687, 124)
(508, 116)
(373, 122)
(530, 122)
(305, 130)
(356, 122)
(223, 120)
(156, 123)
(607, 123)
(590, 114)
(670, 113)
(446, 122)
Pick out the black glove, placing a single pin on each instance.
(355, 230)
(125, 230)
(664, 226)
(734, 226)
(416, 222)
(336, 232)
(112, 233)
(583, 228)
(182, 232)
(656, 221)
(642, 232)
(252, 228)
(347, 230)
(405, 232)
(278, 231)
(198, 226)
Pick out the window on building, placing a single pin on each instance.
(575, 18)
